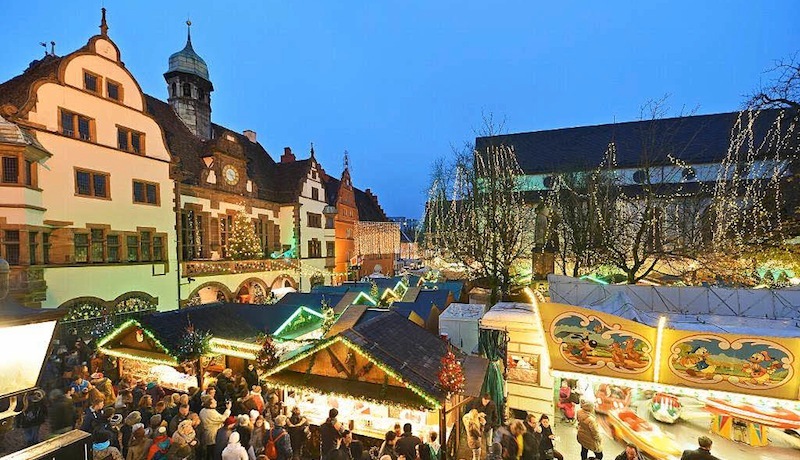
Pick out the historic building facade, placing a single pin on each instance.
(104, 188)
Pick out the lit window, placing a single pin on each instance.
(133, 248)
(112, 245)
(81, 242)
(97, 248)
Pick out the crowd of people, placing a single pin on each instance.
(130, 419)
(233, 419)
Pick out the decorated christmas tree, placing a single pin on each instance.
(243, 244)
(451, 374)
(267, 357)
(193, 344)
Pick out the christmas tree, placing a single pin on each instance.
(243, 244)
(451, 374)
(267, 357)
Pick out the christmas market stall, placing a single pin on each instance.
(182, 348)
(648, 371)
(379, 372)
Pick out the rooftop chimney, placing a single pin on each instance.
(288, 156)
(250, 135)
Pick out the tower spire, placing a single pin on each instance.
(346, 161)
(103, 24)
(312, 150)
(189, 32)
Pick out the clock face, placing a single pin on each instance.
(231, 175)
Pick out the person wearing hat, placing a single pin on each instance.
(102, 448)
(132, 419)
(234, 450)
(589, 432)
(184, 436)
(245, 431)
(212, 420)
(31, 419)
(224, 435)
(160, 447)
(154, 425)
(139, 444)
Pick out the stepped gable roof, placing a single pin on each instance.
(17, 91)
(368, 209)
(232, 321)
(290, 177)
(695, 139)
(411, 351)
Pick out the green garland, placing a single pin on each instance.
(193, 344)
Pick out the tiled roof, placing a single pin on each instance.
(233, 321)
(312, 300)
(368, 210)
(693, 139)
(406, 348)
(422, 305)
(331, 185)
(17, 90)
(288, 179)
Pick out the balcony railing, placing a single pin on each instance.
(228, 267)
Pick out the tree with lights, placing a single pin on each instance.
(451, 374)
(193, 344)
(477, 216)
(243, 244)
(267, 357)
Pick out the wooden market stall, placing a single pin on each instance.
(148, 348)
(377, 373)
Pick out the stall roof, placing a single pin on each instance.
(620, 305)
(510, 312)
(463, 312)
(424, 302)
(312, 300)
(231, 321)
(410, 351)
(453, 286)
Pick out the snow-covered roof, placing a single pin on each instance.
(510, 313)
(462, 312)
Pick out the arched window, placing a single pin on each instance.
(174, 90)
(187, 90)
(201, 95)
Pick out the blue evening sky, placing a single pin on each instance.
(396, 83)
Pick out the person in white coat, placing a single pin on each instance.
(212, 421)
(234, 450)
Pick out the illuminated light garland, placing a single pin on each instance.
(364, 296)
(310, 389)
(122, 354)
(698, 393)
(662, 321)
(327, 343)
(298, 312)
(216, 341)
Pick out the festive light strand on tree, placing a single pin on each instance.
(451, 374)
(243, 243)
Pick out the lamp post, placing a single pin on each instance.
(25, 336)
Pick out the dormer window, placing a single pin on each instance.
(91, 81)
(113, 90)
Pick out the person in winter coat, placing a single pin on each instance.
(589, 432)
(234, 449)
(251, 376)
(330, 432)
(388, 446)
(546, 448)
(139, 444)
(631, 452)
(145, 407)
(431, 450)
(160, 447)
(127, 430)
(225, 387)
(259, 437)
(184, 436)
(223, 436)
(62, 413)
(104, 386)
(254, 400)
(32, 418)
(511, 439)
(531, 438)
(486, 406)
(183, 414)
(212, 420)
(155, 391)
(281, 437)
(474, 422)
(245, 432)
(701, 453)
(102, 448)
(297, 425)
(408, 443)
(92, 415)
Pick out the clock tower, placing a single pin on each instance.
(190, 88)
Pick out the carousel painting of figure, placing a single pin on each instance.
(590, 343)
(746, 363)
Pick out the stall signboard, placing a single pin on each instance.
(728, 362)
(591, 342)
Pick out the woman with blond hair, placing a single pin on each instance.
(474, 422)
